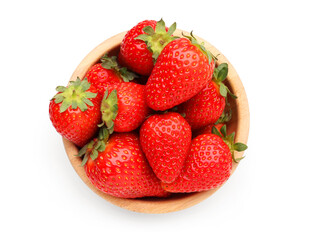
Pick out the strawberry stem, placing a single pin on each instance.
(111, 63)
(109, 109)
(158, 39)
(229, 140)
(219, 75)
(75, 95)
(95, 146)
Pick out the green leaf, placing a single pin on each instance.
(113, 96)
(215, 73)
(85, 85)
(143, 37)
(77, 82)
(97, 145)
(237, 160)
(109, 123)
(101, 147)
(160, 26)
(85, 159)
(216, 132)
(90, 94)
(172, 28)
(74, 104)
(106, 93)
(231, 94)
(109, 110)
(222, 66)
(109, 62)
(83, 150)
(94, 154)
(82, 106)
(155, 55)
(127, 75)
(209, 55)
(223, 90)
(239, 147)
(222, 72)
(149, 30)
(157, 39)
(60, 89)
(114, 109)
(59, 98)
(64, 106)
(225, 116)
(231, 138)
(105, 134)
(223, 130)
(88, 102)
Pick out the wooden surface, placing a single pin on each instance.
(239, 123)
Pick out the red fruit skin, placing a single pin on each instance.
(165, 140)
(132, 107)
(134, 53)
(204, 108)
(73, 124)
(101, 78)
(122, 169)
(207, 166)
(180, 72)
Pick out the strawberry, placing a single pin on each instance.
(117, 166)
(75, 111)
(165, 140)
(207, 106)
(208, 164)
(182, 69)
(108, 72)
(124, 107)
(136, 54)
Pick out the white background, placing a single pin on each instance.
(266, 198)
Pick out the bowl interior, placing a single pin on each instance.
(238, 124)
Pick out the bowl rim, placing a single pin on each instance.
(179, 201)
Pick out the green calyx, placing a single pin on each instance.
(109, 110)
(219, 75)
(158, 39)
(111, 63)
(95, 146)
(75, 95)
(225, 117)
(201, 46)
(230, 141)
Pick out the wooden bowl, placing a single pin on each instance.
(239, 123)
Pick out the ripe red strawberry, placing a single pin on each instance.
(106, 73)
(208, 164)
(75, 111)
(165, 140)
(207, 106)
(182, 69)
(124, 108)
(134, 52)
(118, 167)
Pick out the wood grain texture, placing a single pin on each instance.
(240, 123)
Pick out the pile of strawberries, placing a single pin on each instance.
(151, 120)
